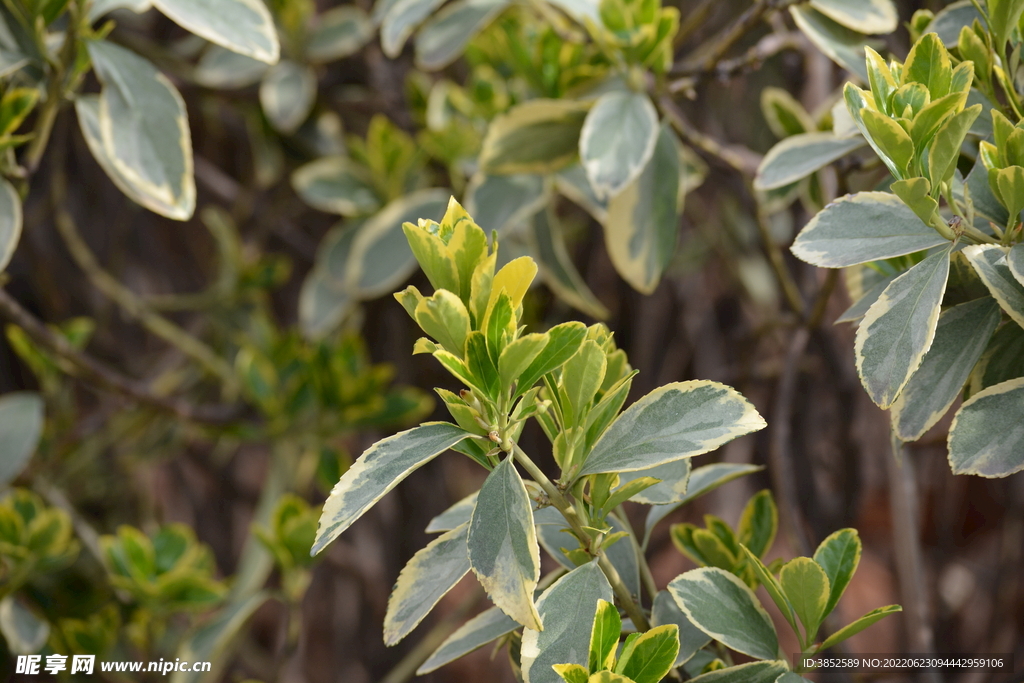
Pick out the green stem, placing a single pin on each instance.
(645, 569)
(54, 92)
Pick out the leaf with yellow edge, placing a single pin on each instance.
(604, 637)
(572, 673)
(433, 256)
(444, 317)
(891, 138)
(538, 136)
(807, 587)
(856, 627)
(514, 278)
(518, 355)
(990, 261)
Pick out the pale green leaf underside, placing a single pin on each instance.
(672, 487)
(987, 435)
(961, 337)
(800, 155)
(724, 607)
(222, 68)
(567, 609)
(10, 222)
(485, 627)
(244, 26)
(504, 202)
(863, 16)
(990, 262)
(287, 95)
(336, 184)
(378, 470)
(678, 420)
(899, 328)
(21, 426)
(838, 43)
(691, 638)
(24, 632)
(503, 550)
(428, 576)
(863, 227)
(617, 140)
(754, 672)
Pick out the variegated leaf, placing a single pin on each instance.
(675, 421)
(457, 514)
(863, 16)
(617, 140)
(144, 131)
(378, 470)
(339, 33)
(567, 609)
(443, 38)
(485, 627)
(557, 268)
(287, 95)
(1014, 259)
(840, 44)
(222, 68)
(25, 632)
(572, 182)
(10, 222)
(863, 227)
(666, 611)
(961, 336)
(244, 26)
(987, 435)
(753, 672)
(428, 576)
(504, 202)
(21, 426)
(400, 22)
(674, 477)
(899, 328)
(538, 136)
(991, 263)
(503, 550)
(798, 156)
(336, 184)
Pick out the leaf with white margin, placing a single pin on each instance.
(702, 480)
(244, 26)
(381, 259)
(1014, 260)
(504, 202)
(617, 140)
(537, 136)
(221, 68)
(572, 183)
(753, 672)
(24, 632)
(99, 8)
(675, 421)
(557, 268)
(863, 16)
(457, 514)
(991, 263)
(443, 38)
(10, 222)
(338, 33)
(643, 219)
(863, 227)
(400, 22)
(899, 328)
(798, 156)
(378, 470)
(961, 337)
(722, 606)
(212, 641)
(674, 477)
(21, 426)
(336, 184)
(666, 611)
(425, 579)
(485, 627)
(840, 44)
(287, 95)
(951, 19)
(144, 131)
(503, 550)
(567, 609)
(987, 434)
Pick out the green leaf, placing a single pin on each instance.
(754, 672)
(724, 607)
(838, 43)
(443, 38)
(1014, 261)
(24, 632)
(338, 33)
(287, 95)
(772, 587)
(987, 434)
(1010, 183)
(604, 638)
(928, 63)
(641, 230)
(672, 480)
(914, 192)
(856, 627)
(503, 548)
(608, 677)
(401, 20)
(691, 639)
(572, 673)
(961, 336)
(98, 8)
(806, 586)
(649, 658)
(582, 376)
(519, 355)
(785, 116)
(485, 627)
(675, 421)
(244, 26)
(444, 317)
(949, 21)
(899, 328)
(505, 202)
(1003, 16)
(223, 69)
(567, 609)
(890, 137)
(556, 266)
(759, 523)
(617, 140)
(799, 156)
(945, 146)
(143, 128)
(838, 555)
(10, 223)
(21, 426)
(538, 136)
(1003, 359)
(454, 516)
(563, 342)
(378, 470)
(990, 261)
(428, 576)
(336, 184)
(863, 227)
(213, 640)
(15, 106)
(863, 16)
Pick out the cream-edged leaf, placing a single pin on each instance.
(456, 515)
(400, 22)
(961, 336)
(617, 140)
(557, 268)
(752, 672)
(378, 470)
(899, 328)
(987, 434)
(691, 639)
(428, 576)
(21, 426)
(336, 184)
(244, 26)
(991, 263)
(485, 627)
(24, 632)
(338, 33)
(800, 155)
(863, 16)
(675, 421)
(538, 136)
(843, 46)
(443, 38)
(10, 222)
(222, 68)
(859, 625)
(671, 488)
(572, 182)
(1014, 260)
(287, 95)
(504, 202)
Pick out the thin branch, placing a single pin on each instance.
(790, 290)
(766, 48)
(88, 369)
(738, 157)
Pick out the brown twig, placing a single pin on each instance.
(766, 48)
(740, 158)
